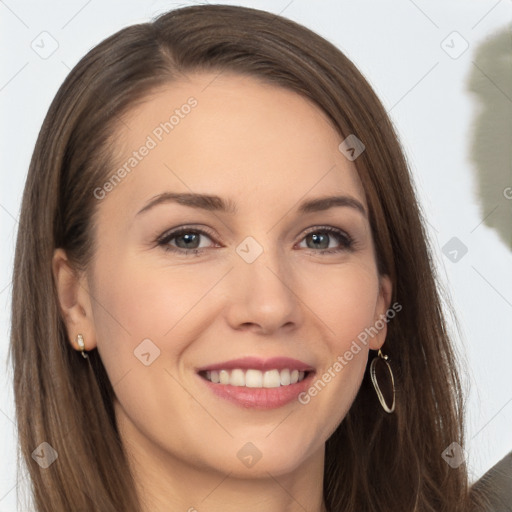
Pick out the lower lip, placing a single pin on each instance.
(260, 398)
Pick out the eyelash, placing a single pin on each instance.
(163, 241)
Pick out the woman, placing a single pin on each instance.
(297, 357)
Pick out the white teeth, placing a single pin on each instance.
(237, 378)
(255, 378)
(224, 377)
(271, 379)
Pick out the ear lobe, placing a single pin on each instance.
(74, 300)
(383, 304)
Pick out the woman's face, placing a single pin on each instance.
(261, 285)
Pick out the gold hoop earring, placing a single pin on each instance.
(382, 357)
(81, 344)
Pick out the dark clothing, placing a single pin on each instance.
(496, 486)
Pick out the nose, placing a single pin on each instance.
(263, 297)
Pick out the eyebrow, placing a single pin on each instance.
(216, 203)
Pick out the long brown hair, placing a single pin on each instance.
(374, 461)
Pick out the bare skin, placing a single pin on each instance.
(267, 150)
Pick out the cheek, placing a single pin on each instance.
(142, 302)
(150, 314)
(344, 299)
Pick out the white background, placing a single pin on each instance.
(397, 46)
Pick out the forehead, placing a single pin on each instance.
(225, 134)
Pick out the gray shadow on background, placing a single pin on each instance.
(490, 83)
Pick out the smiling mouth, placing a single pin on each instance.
(253, 378)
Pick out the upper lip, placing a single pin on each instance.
(256, 363)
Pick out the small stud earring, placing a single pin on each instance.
(81, 344)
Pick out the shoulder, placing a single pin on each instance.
(495, 487)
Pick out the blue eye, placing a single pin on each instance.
(186, 241)
(320, 235)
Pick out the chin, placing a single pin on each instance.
(258, 458)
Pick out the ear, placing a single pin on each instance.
(383, 303)
(74, 300)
